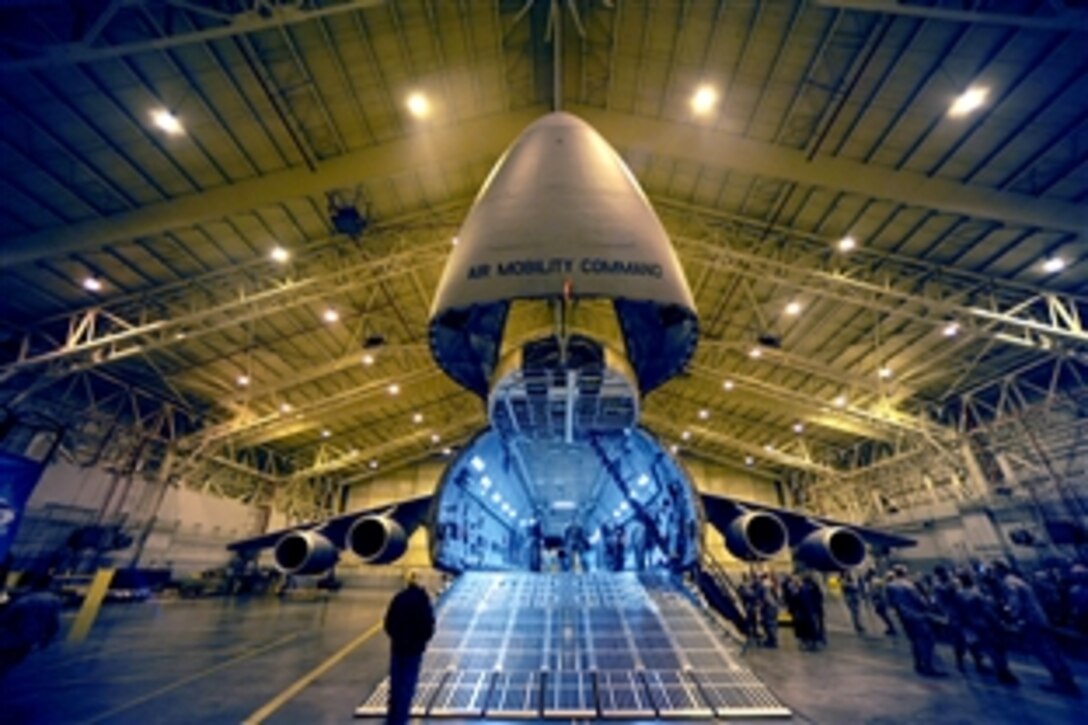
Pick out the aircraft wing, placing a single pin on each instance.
(405, 512)
(722, 510)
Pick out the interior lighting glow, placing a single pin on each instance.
(326, 433)
(686, 435)
(435, 438)
(167, 121)
(92, 284)
(674, 449)
(485, 481)
(847, 244)
(394, 389)
(279, 254)
(478, 463)
(704, 414)
(793, 309)
(330, 315)
(242, 380)
(418, 105)
(704, 99)
(496, 497)
(1053, 265)
(968, 101)
(447, 451)
(417, 418)
(951, 329)
(728, 385)
(749, 461)
(755, 353)
(840, 401)
(884, 373)
(798, 428)
(373, 463)
(368, 359)
(643, 480)
(769, 448)
(563, 505)
(455, 241)
(285, 408)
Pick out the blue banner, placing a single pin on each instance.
(18, 476)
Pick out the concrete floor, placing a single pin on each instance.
(222, 660)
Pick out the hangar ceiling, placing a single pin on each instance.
(145, 311)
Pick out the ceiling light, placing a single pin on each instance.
(417, 418)
(368, 359)
(447, 451)
(798, 428)
(373, 463)
(330, 315)
(643, 480)
(92, 284)
(354, 451)
(686, 435)
(704, 99)
(847, 244)
(840, 401)
(478, 463)
(326, 433)
(564, 505)
(884, 373)
(755, 353)
(748, 460)
(279, 254)
(704, 414)
(496, 497)
(418, 105)
(728, 385)
(435, 438)
(793, 309)
(674, 449)
(455, 241)
(285, 407)
(968, 101)
(394, 389)
(167, 121)
(951, 329)
(769, 448)
(485, 481)
(1054, 264)
(242, 380)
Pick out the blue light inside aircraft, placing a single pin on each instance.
(615, 502)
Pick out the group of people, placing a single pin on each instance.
(762, 595)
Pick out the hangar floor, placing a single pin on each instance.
(226, 661)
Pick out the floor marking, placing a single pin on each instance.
(192, 678)
(278, 701)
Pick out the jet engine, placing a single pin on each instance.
(755, 535)
(377, 539)
(305, 552)
(831, 548)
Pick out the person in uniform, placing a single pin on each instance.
(851, 594)
(908, 602)
(981, 620)
(409, 622)
(879, 597)
(947, 594)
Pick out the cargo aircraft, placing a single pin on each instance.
(562, 306)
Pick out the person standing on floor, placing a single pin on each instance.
(409, 622)
(851, 594)
(981, 618)
(879, 597)
(947, 594)
(910, 604)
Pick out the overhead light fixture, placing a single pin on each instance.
(418, 105)
(279, 254)
(847, 244)
(435, 438)
(496, 497)
(755, 353)
(798, 428)
(394, 389)
(884, 373)
(242, 380)
(728, 385)
(373, 463)
(455, 241)
(330, 315)
(368, 359)
(704, 414)
(485, 481)
(447, 451)
(478, 463)
(840, 401)
(686, 435)
(951, 329)
(748, 461)
(167, 121)
(968, 101)
(768, 447)
(643, 480)
(92, 284)
(326, 433)
(674, 449)
(417, 418)
(1053, 265)
(793, 309)
(564, 505)
(285, 408)
(704, 99)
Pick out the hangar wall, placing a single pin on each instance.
(189, 529)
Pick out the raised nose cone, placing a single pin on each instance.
(562, 218)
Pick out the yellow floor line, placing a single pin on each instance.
(278, 701)
(196, 676)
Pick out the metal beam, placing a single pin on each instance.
(440, 148)
(706, 147)
(1065, 22)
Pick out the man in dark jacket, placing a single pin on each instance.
(409, 622)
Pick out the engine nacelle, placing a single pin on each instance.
(305, 552)
(755, 536)
(831, 548)
(377, 539)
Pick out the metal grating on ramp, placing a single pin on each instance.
(573, 646)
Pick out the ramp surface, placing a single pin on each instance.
(573, 646)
